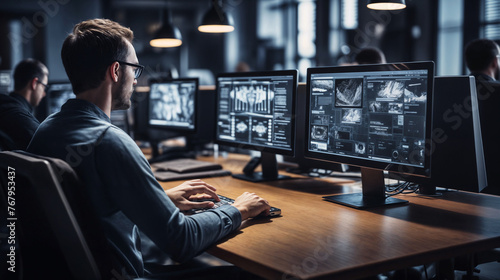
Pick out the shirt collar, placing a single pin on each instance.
(85, 106)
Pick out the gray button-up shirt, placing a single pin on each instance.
(127, 198)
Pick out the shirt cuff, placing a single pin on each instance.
(233, 213)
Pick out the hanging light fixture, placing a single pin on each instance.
(216, 20)
(386, 4)
(168, 36)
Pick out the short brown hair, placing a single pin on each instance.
(90, 49)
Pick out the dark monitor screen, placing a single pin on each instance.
(373, 116)
(172, 104)
(255, 110)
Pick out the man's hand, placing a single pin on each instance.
(183, 194)
(251, 205)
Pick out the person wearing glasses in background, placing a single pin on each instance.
(137, 216)
(17, 122)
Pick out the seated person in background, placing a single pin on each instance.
(370, 56)
(134, 210)
(16, 109)
(481, 57)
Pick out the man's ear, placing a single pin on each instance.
(33, 83)
(494, 63)
(114, 71)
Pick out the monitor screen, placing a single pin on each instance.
(58, 94)
(255, 110)
(372, 116)
(172, 104)
(6, 81)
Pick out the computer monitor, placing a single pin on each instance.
(6, 81)
(377, 117)
(172, 107)
(172, 104)
(57, 94)
(255, 110)
(457, 156)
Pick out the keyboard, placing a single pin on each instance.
(226, 200)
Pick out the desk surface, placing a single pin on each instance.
(319, 239)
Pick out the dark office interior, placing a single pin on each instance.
(303, 33)
(277, 37)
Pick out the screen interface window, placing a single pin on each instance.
(172, 104)
(378, 116)
(256, 111)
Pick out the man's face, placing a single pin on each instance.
(40, 91)
(126, 82)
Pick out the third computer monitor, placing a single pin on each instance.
(172, 104)
(377, 117)
(255, 110)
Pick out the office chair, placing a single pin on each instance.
(57, 233)
(57, 236)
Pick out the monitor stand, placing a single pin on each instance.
(269, 169)
(373, 192)
(169, 153)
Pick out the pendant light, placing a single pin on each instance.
(168, 36)
(216, 20)
(386, 4)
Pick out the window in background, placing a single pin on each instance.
(450, 37)
(335, 30)
(349, 14)
(490, 19)
(306, 37)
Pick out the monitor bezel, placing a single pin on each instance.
(259, 74)
(175, 128)
(425, 170)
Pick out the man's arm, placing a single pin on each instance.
(134, 190)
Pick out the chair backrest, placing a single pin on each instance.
(58, 235)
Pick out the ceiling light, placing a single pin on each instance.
(168, 36)
(216, 20)
(386, 4)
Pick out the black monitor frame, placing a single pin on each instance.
(268, 153)
(372, 171)
(174, 128)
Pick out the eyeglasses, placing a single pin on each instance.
(138, 68)
(45, 86)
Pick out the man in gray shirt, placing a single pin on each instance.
(102, 66)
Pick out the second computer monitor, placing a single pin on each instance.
(255, 110)
(172, 104)
(377, 117)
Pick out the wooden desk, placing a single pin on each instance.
(316, 239)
